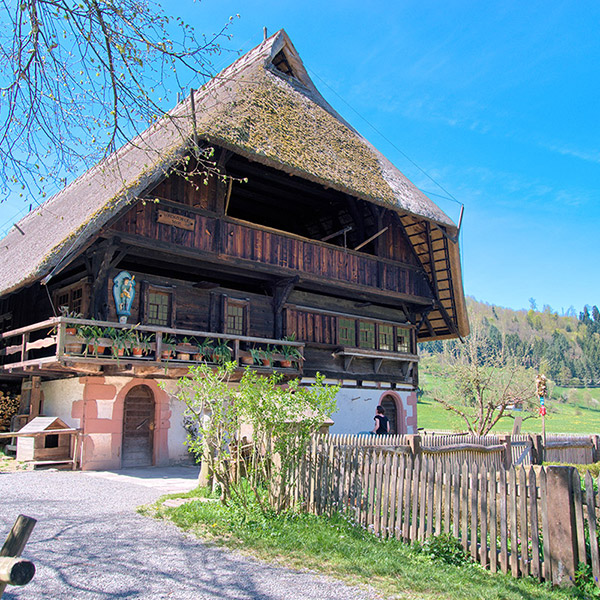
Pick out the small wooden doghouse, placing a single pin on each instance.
(46, 447)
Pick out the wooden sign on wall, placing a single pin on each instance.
(175, 220)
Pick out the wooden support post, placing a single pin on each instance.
(414, 441)
(507, 452)
(561, 524)
(281, 292)
(595, 439)
(35, 402)
(15, 544)
(537, 449)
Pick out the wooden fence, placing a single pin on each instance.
(486, 451)
(529, 521)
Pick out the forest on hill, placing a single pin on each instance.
(566, 348)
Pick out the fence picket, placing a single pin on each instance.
(455, 501)
(536, 570)
(523, 534)
(579, 526)
(591, 514)
(514, 534)
(545, 527)
(493, 522)
(483, 503)
(402, 462)
(430, 497)
(464, 507)
(408, 483)
(503, 522)
(474, 509)
(414, 503)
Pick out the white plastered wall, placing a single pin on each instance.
(355, 410)
(59, 396)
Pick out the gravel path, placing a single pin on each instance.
(89, 543)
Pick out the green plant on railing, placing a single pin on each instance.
(221, 353)
(168, 346)
(141, 342)
(291, 353)
(186, 347)
(92, 334)
(205, 350)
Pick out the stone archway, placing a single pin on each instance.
(137, 449)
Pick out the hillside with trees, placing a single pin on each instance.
(565, 347)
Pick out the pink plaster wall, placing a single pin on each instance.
(102, 437)
(411, 422)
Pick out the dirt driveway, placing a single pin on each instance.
(90, 543)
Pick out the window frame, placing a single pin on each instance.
(242, 303)
(150, 288)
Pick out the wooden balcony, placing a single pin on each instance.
(195, 233)
(62, 345)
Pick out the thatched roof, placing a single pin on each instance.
(265, 107)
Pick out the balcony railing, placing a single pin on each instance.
(234, 240)
(63, 343)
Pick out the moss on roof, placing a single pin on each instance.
(268, 117)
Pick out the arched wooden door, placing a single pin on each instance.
(391, 412)
(138, 427)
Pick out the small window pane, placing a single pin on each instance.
(386, 337)
(347, 332)
(366, 334)
(403, 337)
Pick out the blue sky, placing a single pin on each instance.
(498, 102)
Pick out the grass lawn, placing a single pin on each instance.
(579, 414)
(334, 546)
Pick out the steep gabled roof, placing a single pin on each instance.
(265, 107)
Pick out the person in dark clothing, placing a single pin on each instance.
(382, 424)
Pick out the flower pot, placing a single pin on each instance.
(183, 356)
(137, 351)
(72, 348)
(265, 362)
(285, 364)
(166, 354)
(246, 360)
(96, 350)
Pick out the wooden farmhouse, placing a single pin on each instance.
(312, 254)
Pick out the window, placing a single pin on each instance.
(236, 316)
(158, 308)
(74, 297)
(366, 334)
(347, 332)
(157, 305)
(386, 337)
(403, 339)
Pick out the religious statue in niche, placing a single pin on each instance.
(124, 293)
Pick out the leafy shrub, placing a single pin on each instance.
(584, 582)
(444, 547)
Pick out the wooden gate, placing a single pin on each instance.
(138, 427)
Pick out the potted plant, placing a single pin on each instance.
(290, 354)
(72, 348)
(262, 356)
(119, 339)
(221, 352)
(186, 348)
(140, 343)
(204, 351)
(168, 346)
